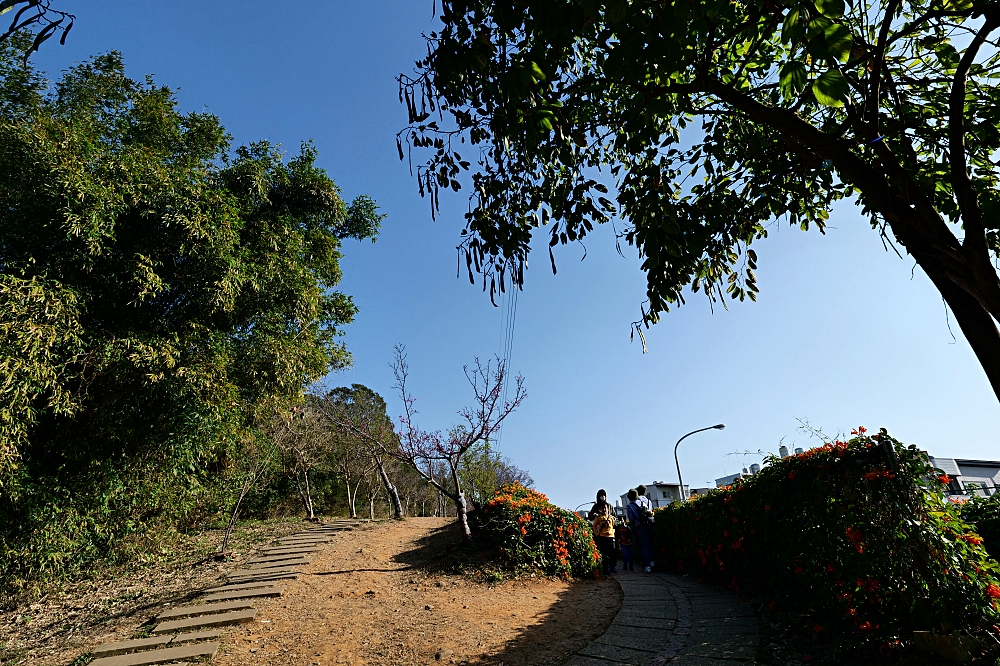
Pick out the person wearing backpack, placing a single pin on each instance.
(641, 517)
(603, 515)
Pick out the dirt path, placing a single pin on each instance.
(368, 599)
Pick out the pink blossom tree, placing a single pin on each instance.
(423, 450)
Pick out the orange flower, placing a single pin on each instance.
(993, 591)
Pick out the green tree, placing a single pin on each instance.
(715, 117)
(364, 431)
(161, 297)
(484, 470)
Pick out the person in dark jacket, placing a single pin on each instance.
(626, 544)
(641, 519)
(603, 515)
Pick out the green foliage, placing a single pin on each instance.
(984, 514)
(856, 536)
(711, 119)
(161, 296)
(531, 534)
(484, 470)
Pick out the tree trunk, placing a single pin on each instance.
(461, 510)
(304, 493)
(350, 500)
(371, 507)
(309, 499)
(354, 500)
(247, 485)
(461, 506)
(977, 325)
(390, 489)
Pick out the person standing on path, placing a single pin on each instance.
(603, 516)
(647, 505)
(643, 498)
(641, 518)
(623, 535)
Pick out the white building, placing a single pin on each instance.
(660, 493)
(985, 474)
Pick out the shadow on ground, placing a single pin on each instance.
(580, 613)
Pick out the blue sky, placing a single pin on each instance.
(842, 335)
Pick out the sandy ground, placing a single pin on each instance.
(372, 597)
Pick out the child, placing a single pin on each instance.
(624, 537)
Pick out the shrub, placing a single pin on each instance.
(984, 513)
(532, 534)
(856, 536)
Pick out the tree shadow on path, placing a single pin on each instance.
(575, 614)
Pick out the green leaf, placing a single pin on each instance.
(831, 88)
(831, 8)
(793, 28)
(537, 71)
(948, 55)
(839, 42)
(792, 79)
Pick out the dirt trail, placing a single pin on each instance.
(367, 599)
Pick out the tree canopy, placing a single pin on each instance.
(162, 295)
(714, 118)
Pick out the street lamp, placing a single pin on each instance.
(680, 478)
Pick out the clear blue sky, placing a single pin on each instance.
(842, 335)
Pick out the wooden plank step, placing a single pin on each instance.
(304, 542)
(216, 620)
(111, 649)
(271, 564)
(250, 573)
(308, 535)
(160, 656)
(236, 586)
(270, 591)
(203, 609)
(292, 550)
(265, 577)
(121, 647)
(278, 557)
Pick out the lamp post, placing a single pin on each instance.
(680, 478)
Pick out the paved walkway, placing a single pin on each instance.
(672, 620)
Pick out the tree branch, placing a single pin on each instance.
(965, 189)
(878, 64)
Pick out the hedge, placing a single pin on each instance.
(984, 513)
(532, 534)
(858, 537)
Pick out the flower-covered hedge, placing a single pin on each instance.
(857, 536)
(532, 534)
(984, 513)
